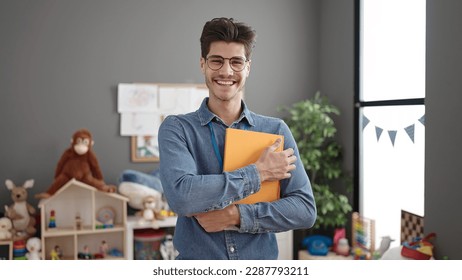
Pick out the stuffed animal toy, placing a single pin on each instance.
(137, 185)
(21, 213)
(6, 229)
(78, 162)
(34, 247)
(150, 213)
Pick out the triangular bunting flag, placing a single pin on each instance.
(378, 132)
(392, 134)
(410, 131)
(365, 121)
(422, 120)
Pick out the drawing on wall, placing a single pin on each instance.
(143, 107)
(145, 148)
(137, 98)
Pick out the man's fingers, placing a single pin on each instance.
(292, 159)
(275, 145)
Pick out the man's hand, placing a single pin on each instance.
(219, 220)
(274, 165)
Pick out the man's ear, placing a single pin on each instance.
(202, 62)
(248, 67)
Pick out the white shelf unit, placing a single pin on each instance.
(78, 199)
(134, 222)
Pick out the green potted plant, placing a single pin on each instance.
(314, 130)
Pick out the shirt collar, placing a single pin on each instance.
(206, 116)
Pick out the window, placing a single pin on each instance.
(390, 111)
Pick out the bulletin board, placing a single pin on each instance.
(143, 107)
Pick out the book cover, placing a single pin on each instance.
(244, 147)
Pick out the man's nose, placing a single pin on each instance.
(226, 68)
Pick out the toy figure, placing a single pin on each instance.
(384, 245)
(150, 213)
(167, 250)
(342, 247)
(78, 222)
(85, 255)
(21, 213)
(103, 249)
(52, 222)
(56, 253)
(34, 247)
(6, 229)
(79, 162)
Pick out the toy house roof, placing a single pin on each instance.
(76, 183)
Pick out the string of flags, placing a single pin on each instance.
(392, 133)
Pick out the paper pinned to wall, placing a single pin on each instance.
(175, 100)
(137, 98)
(135, 124)
(143, 107)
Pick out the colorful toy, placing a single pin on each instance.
(363, 236)
(19, 250)
(34, 247)
(420, 249)
(317, 245)
(52, 221)
(21, 213)
(105, 217)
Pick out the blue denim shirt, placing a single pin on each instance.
(193, 182)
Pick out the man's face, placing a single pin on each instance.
(225, 84)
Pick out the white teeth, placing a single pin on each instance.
(225, 82)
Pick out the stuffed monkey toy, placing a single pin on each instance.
(79, 162)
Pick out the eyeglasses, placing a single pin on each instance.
(215, 62)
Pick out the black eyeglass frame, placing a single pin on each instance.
(223, 62)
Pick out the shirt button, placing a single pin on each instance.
(251, 192)
(231, 249)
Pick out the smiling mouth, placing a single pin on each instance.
(225, 83)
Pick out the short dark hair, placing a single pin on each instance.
(226, 29)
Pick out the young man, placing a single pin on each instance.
(191, 151)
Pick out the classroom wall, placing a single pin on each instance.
(61, 62)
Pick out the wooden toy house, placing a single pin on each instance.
(79, 221)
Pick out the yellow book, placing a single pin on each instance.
(244, 147)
